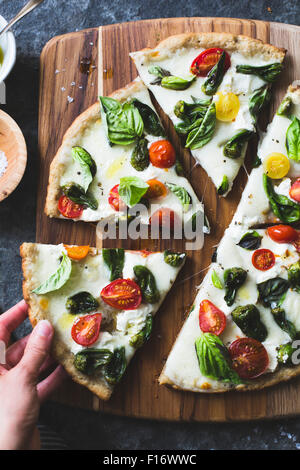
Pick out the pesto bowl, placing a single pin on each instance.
(8, 47)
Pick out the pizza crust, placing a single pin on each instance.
(60, 351)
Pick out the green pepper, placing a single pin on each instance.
(147, 283)
(247, 318)
(81, 302)
(142, 336)
(140, 155)
(174, 259)
(234, 278)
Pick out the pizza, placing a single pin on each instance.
(101, 304)
(213, 87)
(116, 157)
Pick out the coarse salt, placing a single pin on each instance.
(3, 163)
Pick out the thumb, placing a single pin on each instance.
(37, 349)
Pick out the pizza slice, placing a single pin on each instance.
(101, 304)
(240, 332)
(213, 87)
(116, 156)
(272, 193)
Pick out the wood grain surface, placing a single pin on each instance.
(64, 63)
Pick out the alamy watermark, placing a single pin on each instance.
(2, 352)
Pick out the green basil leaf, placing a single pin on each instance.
(216, 280)
(272, 291)
(89, 360)
(174, 259)
(285, 107)
(115, 368)
(147, 283)
(235, 146)
(213, 358)
(57, 279)
(234, 278)
(150, 119)
(281, 320)
(247, 318)
(177, 83)
(132, 189)
(214, 77)
(192, 111)
(77, 194)
(250, 241)
(200, 136)
(140, 156)
(142, 336)
(258, 100)
(182, 195)
(224, 186)
(285, 209)
(81, 302)
(110, 105)
(87, 165)
(114, 258)
(159, 72)
(292, 140)
(269, 73)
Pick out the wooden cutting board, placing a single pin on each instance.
(72, 75)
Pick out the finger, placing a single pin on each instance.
(15, 352)
(50, 383)
(36, 350)
(11, 319)
(3, 370)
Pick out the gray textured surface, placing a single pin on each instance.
(83, 429)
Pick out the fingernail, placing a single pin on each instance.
(44, 328)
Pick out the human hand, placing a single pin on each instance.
(21, 393)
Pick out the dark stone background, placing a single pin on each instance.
(82, 429)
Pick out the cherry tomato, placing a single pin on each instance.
(249, 357)
(85, 330)
(156, 189)
(227, 106)
(263, 259)
(211, 319)
(77, 252)
(68, 208)
(205, 61)
(162, 154)
(295, 190)
(115, 201)
(123, 294)
(163, 218)
(276, 165)
(282, 233)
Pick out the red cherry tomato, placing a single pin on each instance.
(296, 243)
(205, 61)
(295, 190)
(85, 330)
(115, 201)
(163, 218)
(211, 319)
(282, 233)
(123, 294)
(162, 154)
(263, 259)
(249, 357)
(68, 208)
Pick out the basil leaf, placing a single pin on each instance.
(124, 122)
(174, 259)
(281, 320)
(256, 162)
(214, 77)
(247, 318)
(272, 291)
(87, 165)
(185, 127)
(142, 336)
(77, 194)
(140, 155)
(213, 358)
(57, 279)
(200, 136)
(147, 283)
(285, 107)
(150, 119)
(235, 146)
(182, 195)
(294, 276)
(115, 368)
(216, 280)
(159, 72)
(132, 189)
(192, 111)
(234, 278)
(269, 73)
(258, 100)
(250, 241)
(177, 83)
(114, 258)
(88, 360)
(224, 186)
(81, 302)
(292, 140)
(285, 209)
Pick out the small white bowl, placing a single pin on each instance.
(8, 45)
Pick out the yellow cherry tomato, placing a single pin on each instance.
(276, 165)
(227, 106)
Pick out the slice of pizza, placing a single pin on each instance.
(101, 304)
(116, 156)
(213, 87)
(272, 193)
(241, 330)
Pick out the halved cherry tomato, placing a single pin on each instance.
(77, 252)
(156, 189)
(282, 233)
(263, 259)
(249, 357)
(123, 294)
(211, 319)
(115, 201)
(295, 190)
(205, 61)
(164, 217)
(162, 154)
(276, 165)
(68, 208)
(85, 330)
